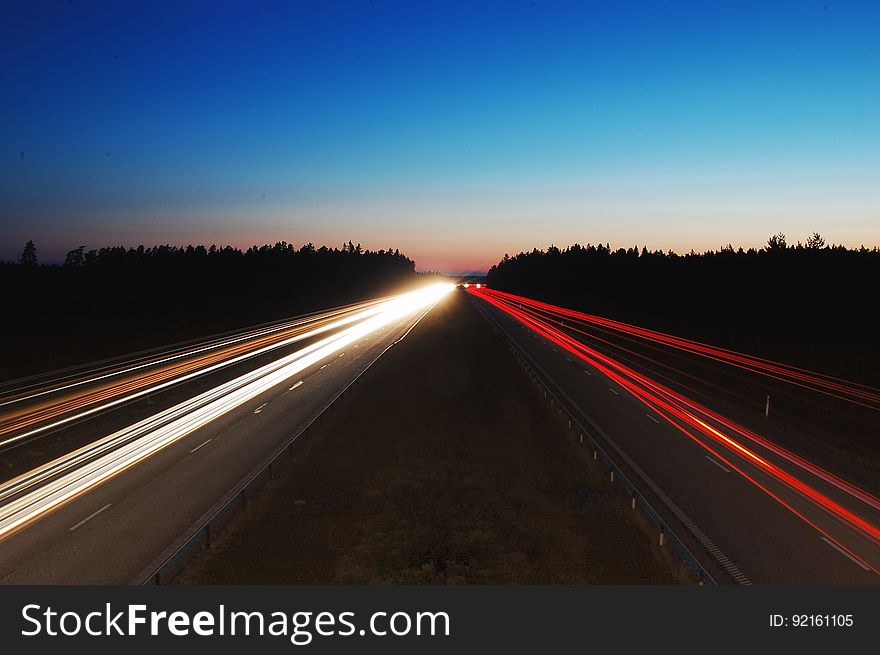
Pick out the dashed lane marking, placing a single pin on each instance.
(199, 446)
(844, 553)
(718, 464)
(90, 517)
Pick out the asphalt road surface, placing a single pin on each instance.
(157, 476)
(147, 468)
(739, 531)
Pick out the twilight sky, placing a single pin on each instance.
(456, 131)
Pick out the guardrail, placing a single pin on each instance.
(666, 533)
(172, 560)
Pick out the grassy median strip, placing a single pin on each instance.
(442, 467)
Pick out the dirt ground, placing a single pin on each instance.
(442, 467)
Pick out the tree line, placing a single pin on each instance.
(810, 302)
(112, 300)
(165, 254)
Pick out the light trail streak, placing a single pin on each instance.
(102, 373)
(92, 403)
(852, 392)
(699, 423)
(42, 490)
(742, 431)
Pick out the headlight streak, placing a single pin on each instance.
(47, 487)
(89, 451)
(103, 373)
(174, 380)
(685, 415)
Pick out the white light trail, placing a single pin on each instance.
(45, 488)
(177, 380)
(192, 351)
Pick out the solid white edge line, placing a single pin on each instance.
(295, 386)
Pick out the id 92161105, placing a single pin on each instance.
(812, 621)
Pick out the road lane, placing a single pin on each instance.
(764, 539)
(28, 411)
(156, 500)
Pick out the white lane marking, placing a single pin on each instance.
(568, 359)
(90, 517)
(323, 367)
(260, 408)
(652, 418)
(295, 386)
(844, 553)
(341, 354)
(718, 464)
(204, 443)
(355, 346)
(613, 391)
(587, 372)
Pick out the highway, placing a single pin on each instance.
(34, 407)
(749, 509)
(162, 436)
(106, 466)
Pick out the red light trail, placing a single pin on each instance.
(755, 457)
(842, 389)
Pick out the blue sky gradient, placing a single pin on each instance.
(456, 131)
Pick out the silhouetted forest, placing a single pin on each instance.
(116, 300)
(811, 304)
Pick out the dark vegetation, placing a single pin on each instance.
(811, 305)
(117, 300)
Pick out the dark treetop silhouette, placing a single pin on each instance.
(810, 304)
(116, 300)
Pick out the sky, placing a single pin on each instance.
(455, 131)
